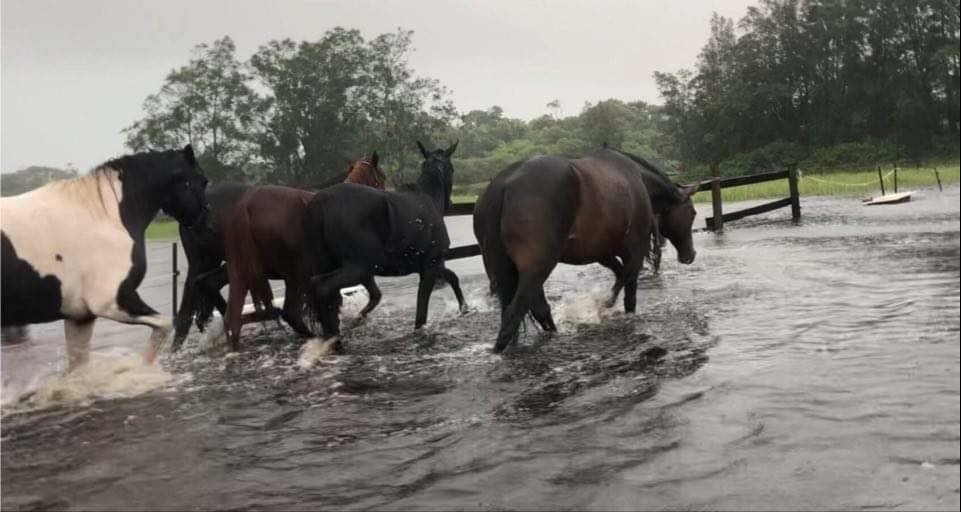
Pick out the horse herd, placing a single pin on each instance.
(74, 250)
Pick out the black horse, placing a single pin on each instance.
(353, 233)
(204, 247)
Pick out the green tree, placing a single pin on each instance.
(207, 103)
(313, 118)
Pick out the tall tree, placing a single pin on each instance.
(208, 103)
(313, 119)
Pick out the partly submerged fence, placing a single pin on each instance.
(716, 223)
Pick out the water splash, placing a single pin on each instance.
(105, 376)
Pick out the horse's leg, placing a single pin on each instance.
(328, 313)
(615, 265)
(348, 275)
(630, 293)
(293, 311)
(448, 275)
(209, 285)
(529, 286)
(326, 290)
(131, 309)
(633, 263)
(541, 311)
(424, 288)
(186, 312)
(78, 333)
(235, 308)
(374, 293)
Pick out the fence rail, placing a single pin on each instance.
(716, 223)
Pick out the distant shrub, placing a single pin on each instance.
(776, 156)
(853, 155)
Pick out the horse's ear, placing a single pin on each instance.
(690, 190)
(374, 159)
(189, 154)
(451, 149)
(422, 150)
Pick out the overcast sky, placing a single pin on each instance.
(74, 73)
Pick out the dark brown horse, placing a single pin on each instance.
(262, 240)
(598, 209)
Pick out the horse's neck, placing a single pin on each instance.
(663, 196)
(434, 190)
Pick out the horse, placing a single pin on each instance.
(14, 335)
(598, 209)
(353, 233)
(73, 250)
(263, 240)
(204, 246)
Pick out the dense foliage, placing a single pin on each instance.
(828, 79)
(817, 83)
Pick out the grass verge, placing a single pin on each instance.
(859, 183)
(162, 230)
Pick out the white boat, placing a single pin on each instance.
(900, 197)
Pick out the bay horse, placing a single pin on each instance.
(353, 233)
(73, 250)
(263, 240)
(598, 209)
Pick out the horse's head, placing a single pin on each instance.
(675, 223)
(437, 172)
(181, 185)
(365, 172)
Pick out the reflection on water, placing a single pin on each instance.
(796, 367)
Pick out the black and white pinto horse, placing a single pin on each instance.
(74, 250)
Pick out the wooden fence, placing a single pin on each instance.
(716, 223)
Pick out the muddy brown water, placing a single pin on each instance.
(790, 367)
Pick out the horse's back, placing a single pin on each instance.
(65, 251)
(614, 212)
(395, 232)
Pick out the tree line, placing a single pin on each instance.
(838, 80)
(818, 82)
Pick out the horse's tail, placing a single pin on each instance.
(657, 245)
(244, 256)
(317, 254)
(501, 269)
(527, 231)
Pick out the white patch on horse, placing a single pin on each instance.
(72, 230)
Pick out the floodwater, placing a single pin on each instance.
(790, 367)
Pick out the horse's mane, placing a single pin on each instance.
(659, 184)
(88, 190)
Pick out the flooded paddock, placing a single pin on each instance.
(795, 367)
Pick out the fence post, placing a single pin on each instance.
(716, 198)
(174, 274)
(795, 195)
(895, 180)
(881, 179)
(938, 176)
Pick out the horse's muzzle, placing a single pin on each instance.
(200, 219)
(687, 259)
